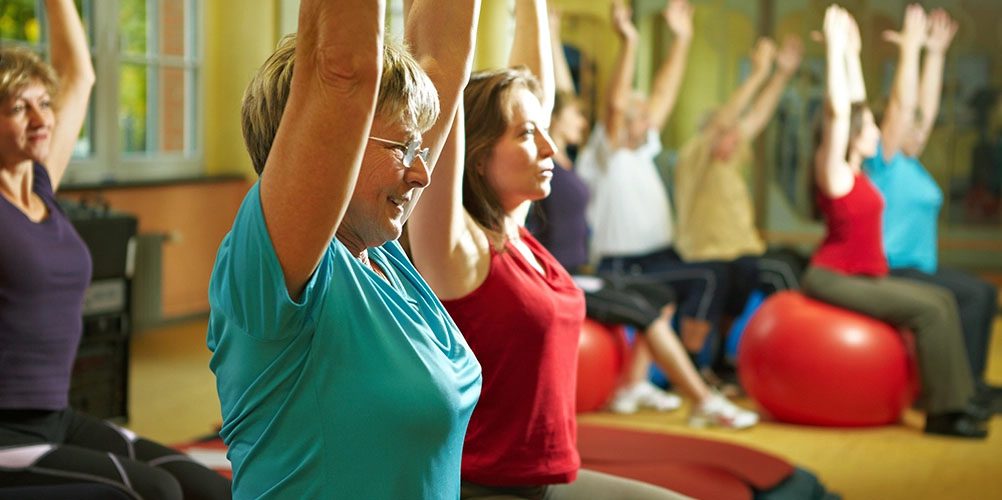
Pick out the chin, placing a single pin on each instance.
(542, 192)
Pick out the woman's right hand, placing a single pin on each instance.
(763, 54)
(913, 30)
(678, 17)
(623, 22)
(941, 29)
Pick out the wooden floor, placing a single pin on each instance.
(173, 400)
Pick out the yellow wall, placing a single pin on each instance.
(238, 39)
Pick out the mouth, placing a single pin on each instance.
(38, 137)
(399, 201)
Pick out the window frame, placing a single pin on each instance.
(106, 161)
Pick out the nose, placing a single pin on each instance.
(545, 144)
(36, 116)
(418, 175)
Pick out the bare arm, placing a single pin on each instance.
(834, 176)
(900, 112)
(440, 34)
(71, 60)
(563, 79)
(941, 29)
(448, 248)
(762, 57)
(678, 16)
(531, 48)
(787, 61)
(621, 81)
(314, 161)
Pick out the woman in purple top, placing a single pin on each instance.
(44, 270)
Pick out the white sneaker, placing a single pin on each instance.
(717, 411)
(643, 395)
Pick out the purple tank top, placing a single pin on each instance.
(560, 223)
(44, 270)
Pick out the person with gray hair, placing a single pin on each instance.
(339, 373)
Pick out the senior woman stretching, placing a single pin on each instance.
(339, 373)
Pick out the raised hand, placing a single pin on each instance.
(940, 31)
(763, 54)
(790, 54)
(913, 30)
(678, 17)
(836, 28)
(853, 43)
(554, 16)
(622, 21)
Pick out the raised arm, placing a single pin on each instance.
(664, 93)
(787, 61)
(620, 85)
(899, 116)
(762, 57)
(441, 35)
(531, 48)
(834, 177)
(71, 60)
(563, 80)
(314, 160)
(941, 29)
(448, 247)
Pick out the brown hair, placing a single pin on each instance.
(20, 67)
(488, 114)
(406, 95)
(856, 113)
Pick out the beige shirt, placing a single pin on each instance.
(716, 220)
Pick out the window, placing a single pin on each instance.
(144, 119)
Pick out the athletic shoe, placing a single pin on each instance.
(643, 395)
(718, 411)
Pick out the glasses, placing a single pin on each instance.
(411, 150)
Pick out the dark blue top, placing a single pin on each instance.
(44, 270)
(559, 222)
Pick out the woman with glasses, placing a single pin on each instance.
(340, 375)
(518, 308)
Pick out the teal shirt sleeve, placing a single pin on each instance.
(248, 287)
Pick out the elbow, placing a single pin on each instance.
(348, 71)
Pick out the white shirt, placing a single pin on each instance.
(629, 211)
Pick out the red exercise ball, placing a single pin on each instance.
(808, 362)
(602, 356)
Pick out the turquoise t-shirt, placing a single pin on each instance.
(360, 389)
(912, 201)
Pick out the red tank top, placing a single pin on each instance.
(852, 244)
(523, 327)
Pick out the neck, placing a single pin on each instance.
(515, 219)
(855, 162)
(16, 183)
(354, 244)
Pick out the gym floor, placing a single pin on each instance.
(173, 400)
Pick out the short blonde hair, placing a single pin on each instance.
(21, 67)
(406, 96)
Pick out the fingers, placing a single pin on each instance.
(941, 29)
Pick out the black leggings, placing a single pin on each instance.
(628, 300)
(701, 287)
(40, 447)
